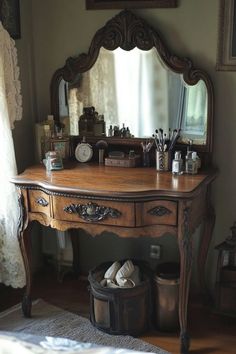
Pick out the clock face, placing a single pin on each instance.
(83, 152)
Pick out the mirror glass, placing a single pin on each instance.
(135, 89)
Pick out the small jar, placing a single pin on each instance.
(177, 164)
(131, 154)
(188, 162)
(191, 163)
(53, 161)
(195, 162)
(110, 131)
(199, 162)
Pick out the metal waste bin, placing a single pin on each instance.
(166, 286)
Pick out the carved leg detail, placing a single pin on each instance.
(206, 237)
(24, 231)
(185, 248)
(26, 252)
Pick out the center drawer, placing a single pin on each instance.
(93, 211)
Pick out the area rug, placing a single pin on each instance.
(49, 320)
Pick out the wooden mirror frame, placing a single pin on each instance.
(98, 4)
(127, 31)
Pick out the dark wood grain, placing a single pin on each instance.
(114, 182)
(106, 4)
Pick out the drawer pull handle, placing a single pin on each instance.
(92, 211)
(41, 201)
(159, 211)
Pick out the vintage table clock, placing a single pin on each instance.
(83, 152)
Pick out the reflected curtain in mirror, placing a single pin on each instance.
(135, 88)
(129, 76)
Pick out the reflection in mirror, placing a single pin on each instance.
(136, 89)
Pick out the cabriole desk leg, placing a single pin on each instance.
(206, 236)
(74, 235)
(185, 248)
(24, 231)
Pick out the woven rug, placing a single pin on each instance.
(49, 320)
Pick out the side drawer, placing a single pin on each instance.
(93, 211)
(158, 212)
(39, 202)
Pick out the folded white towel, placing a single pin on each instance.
(111, 284)
(108, 283)
(124, 273)
(125, 283)
(135, 276)
(112, 270)
(125, 276)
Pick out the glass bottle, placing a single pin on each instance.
(110, 131)
(188, 162)
(45, 141)
(191, 164)
(177, 164)
(199, 162)
(87, 121)
(195, 162)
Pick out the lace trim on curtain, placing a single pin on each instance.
(11, 76)
(12, 271)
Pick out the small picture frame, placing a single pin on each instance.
(10, 17)
(226, 56)
(128, 4)
(62, 146)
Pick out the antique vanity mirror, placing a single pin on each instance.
(130, 77)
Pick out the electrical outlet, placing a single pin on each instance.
(155, 251)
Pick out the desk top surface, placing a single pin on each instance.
(102, 180)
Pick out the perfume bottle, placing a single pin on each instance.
(195, 162)
(177, 164)
(110, 131)
(191, 163)
(188, 162)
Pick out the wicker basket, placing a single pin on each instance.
(120, 310)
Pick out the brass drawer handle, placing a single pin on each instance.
(159, 211)
(92, 211)
(41, 201)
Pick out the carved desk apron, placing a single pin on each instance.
(130, 202)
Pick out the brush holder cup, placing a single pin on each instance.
(163, 160)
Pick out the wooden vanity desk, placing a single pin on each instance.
(130, 202)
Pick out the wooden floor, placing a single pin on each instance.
(210, 333)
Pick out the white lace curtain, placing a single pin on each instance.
(129, 87)
(11, 264)
(95, 89)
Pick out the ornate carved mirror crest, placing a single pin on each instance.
(171, 94)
